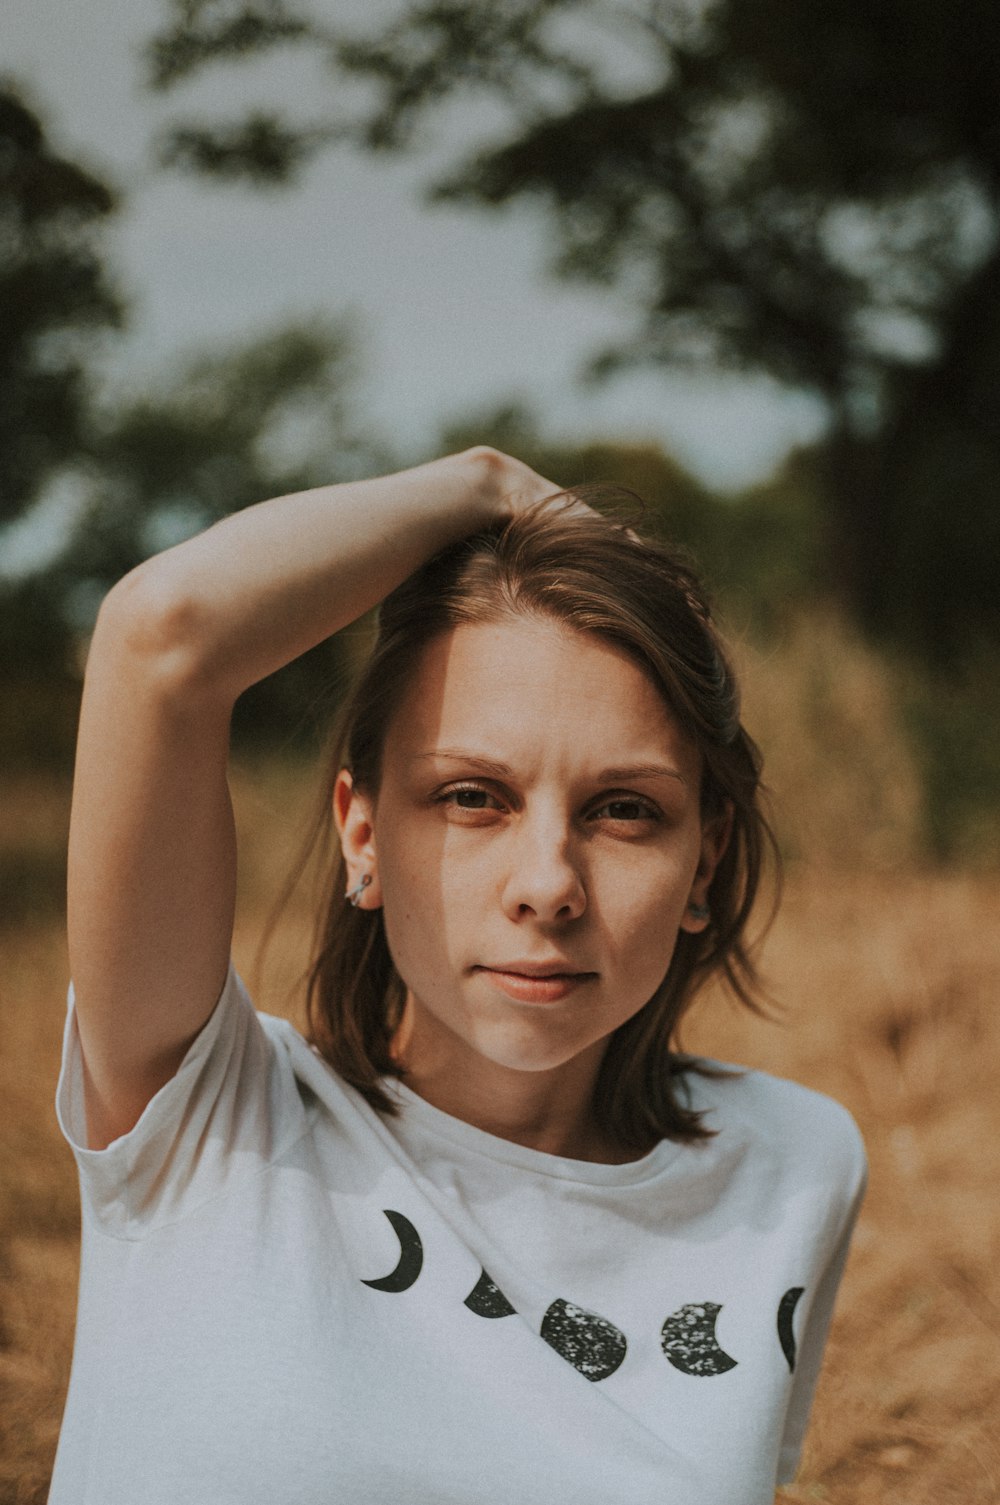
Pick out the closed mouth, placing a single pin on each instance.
(536, 970)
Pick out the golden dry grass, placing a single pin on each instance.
(889, 985)
(889, 979)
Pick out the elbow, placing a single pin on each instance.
(489, 460)
(148, 618)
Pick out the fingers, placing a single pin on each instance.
(524, 487)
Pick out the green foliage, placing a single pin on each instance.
(954, 720)
(32, 887)
(39, 679)
(263, 419)
(56, 299)
(812, 192)
(267, 418)
(760, 552)
(261, 150)
(207, 30)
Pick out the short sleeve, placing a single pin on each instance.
(228, 1109)
(846, 1149)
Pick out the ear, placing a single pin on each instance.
(353, 813)
(715, 834)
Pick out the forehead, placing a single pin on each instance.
(521, 685)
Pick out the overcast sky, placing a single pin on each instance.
(454, 306)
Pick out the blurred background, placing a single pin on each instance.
(743, 258)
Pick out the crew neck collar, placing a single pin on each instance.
(419, 1116)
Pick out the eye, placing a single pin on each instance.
(467, 797)
(629, 808)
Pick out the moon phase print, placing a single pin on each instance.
(689, 1342)
(411, 1256)
(592, 1344)
(786, 1336)
(487, 1300)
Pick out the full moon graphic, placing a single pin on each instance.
(487, 1300)
(688, 1340)
(592, 1344)
(411, 1256)
(786, 1335)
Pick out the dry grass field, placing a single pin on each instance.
(889, 979)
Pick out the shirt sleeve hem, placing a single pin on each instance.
(70, 1110)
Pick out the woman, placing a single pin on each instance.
(484, 1239)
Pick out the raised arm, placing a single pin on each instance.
(152, 851)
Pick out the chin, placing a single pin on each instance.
(512, 1051)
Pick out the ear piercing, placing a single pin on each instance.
(699, 911)
(353, 896)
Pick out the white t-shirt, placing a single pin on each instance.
(289, 1299)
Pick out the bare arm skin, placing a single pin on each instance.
(152, 849)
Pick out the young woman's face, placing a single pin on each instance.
(539, 810)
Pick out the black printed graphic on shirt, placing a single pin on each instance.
(487, 1300)
(411, 1256)
(786, 1336)
(594, 1346)
(689, 1342)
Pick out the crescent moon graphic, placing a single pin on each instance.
(592, 1344)
(688, 1340)
(411, 1256)
(786, 1336)
(487, 1300)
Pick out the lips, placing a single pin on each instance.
(546, 983)
(558, 967)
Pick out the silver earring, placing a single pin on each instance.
(699, 911)
(353, 896)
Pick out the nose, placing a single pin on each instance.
(545, 876)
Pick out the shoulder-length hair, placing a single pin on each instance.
(594, 573)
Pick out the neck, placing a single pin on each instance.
(548, 1110)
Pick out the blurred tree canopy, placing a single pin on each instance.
(269, 417)
(147, 468)
(56, 297)
(771, 199)
(761, 551)
(225, 430)
(810, 192)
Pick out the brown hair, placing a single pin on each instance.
(592, 572)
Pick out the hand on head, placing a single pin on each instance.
(521, 487)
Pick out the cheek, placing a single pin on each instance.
(642, 924)
(418, 912)
(436, 880)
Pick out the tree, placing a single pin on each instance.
(758, 553)
(263, 419)
(56, 299)
(266, 417)
(224, 431)
(57, 302)
(808, 192)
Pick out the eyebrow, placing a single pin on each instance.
(618, 775)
